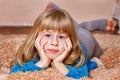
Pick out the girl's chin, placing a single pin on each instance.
(51, 58)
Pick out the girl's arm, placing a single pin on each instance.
(29, 66)
(77, 73)
(71, 71)
(58, 62)
(82, 71)
(60, 67)
(44, 60)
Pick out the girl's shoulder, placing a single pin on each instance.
(84, 51)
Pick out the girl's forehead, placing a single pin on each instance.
(54, 31)
(51, 30)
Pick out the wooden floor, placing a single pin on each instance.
(9, 30)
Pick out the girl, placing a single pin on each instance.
(53, 42)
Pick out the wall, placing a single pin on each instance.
(24, 12)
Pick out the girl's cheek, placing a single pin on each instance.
(62, 41)
(44, 40)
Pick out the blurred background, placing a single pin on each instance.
(24, 12)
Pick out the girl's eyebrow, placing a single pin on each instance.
(64, 34)
(47, 31)
(60, 33)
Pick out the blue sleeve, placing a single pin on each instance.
(82, 71)
(77, 73)
(29, 66)
(91, 65)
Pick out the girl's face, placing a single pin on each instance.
(54, 43)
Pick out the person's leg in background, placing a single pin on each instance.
(116, 14)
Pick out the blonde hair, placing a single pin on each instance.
(56, 20)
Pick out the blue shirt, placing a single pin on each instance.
(75, 73)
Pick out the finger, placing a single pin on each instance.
(39, 37)
(66, 49)
(61, 57)
(40, 34)
(42, 46)
(69, 43)
(37, 42)
(42, 52)
(65, 53)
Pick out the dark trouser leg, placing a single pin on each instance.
(89, 42)
(93, 25)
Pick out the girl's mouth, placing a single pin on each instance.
(53, 50)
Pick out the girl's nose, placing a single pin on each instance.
(54, 42)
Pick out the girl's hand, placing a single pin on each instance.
(58, 62)
(44, 60)
(68, 47)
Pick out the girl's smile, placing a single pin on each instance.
(53, 50)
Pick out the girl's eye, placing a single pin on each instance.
(47, 35)
(61, 37)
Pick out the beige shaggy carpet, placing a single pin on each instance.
(109, 62)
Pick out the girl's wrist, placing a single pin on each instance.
(60, 66)
(42, 65)
(55, 63)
